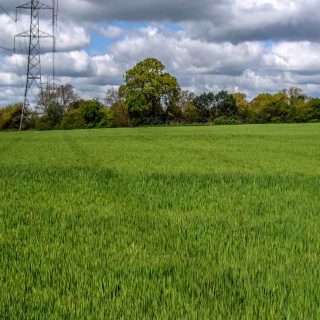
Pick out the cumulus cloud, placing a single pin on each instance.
(111, 32)
(299, 57)
(185, 55)
(222, 20)
(252, 45)
(218, 20)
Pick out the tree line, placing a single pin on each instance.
(151, 96)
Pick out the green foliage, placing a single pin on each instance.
(42, 124)
(225, 105)
(161, 223)
(54, 103)
(314, 108)
(272, 108)
(118, 115)
(303, 111)
(212, 106)
(287, 106)
(93, 113)
(54, 114)
(150, 96)
(205, 103)
(244, 109)
(10, 117)
(191, 113)
(150, 93)
(73, 119)
(188, 110)
(226, 120)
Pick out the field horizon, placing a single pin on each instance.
(183, 222)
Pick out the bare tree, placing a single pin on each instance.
(112, 97)
(63, 95)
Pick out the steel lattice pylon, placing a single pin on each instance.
(34, 59)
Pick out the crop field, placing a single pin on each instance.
(161, 223)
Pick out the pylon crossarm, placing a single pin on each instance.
(39, 5)
(26, 34)
(44, 35)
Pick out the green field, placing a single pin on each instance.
(161, 223)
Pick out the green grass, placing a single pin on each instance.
(161, 223)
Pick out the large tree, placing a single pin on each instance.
(204, 103)
(212, 106)
(272, 108)
(150, 93)
(225, 105)
(93, 113)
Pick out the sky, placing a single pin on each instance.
(251, 46)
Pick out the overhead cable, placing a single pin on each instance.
(6, 12)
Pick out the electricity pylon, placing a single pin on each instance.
(34, 34)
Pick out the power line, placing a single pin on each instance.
(6, 12)
(57, 12)
(24, 66)
(6, 49)
(54, 18)
(22, 48)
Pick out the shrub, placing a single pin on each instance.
(10, 117)
(92, 112)
(226, 120)
(73, 119)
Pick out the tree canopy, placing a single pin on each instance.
(152, 96)
(150, 93)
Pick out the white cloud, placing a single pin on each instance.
(184, 55)
(111, 32)
(302, 57)
(214, 45)
(71, 36)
